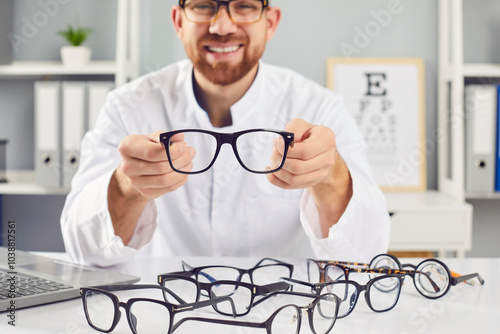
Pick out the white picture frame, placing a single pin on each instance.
(386, 97)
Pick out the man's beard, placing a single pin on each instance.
(223, 73)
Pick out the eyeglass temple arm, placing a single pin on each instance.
(456, 279)
(264, 289)
(208, 302)
(138, 287)
(272, 260)
(219, 321)
(292, 293)
(295, 281)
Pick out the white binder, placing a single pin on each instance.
(480, 135)
(97, 92)
(73, 129)
(47, 134)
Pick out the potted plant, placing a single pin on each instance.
(75, 54)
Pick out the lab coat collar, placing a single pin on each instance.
(240, 111)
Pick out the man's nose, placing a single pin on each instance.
(223, 25)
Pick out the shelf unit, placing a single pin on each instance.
(451, 114)
(124, 68)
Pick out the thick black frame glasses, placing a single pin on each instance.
(242, 293)
(381, 292)
(291, 314)
(266, 271)
(247, 147)
(97, 299)
(208, 13)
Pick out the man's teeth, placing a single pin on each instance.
(224, 50)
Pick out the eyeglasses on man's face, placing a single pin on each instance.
(144, 315)
(259, 151)
(240, 11)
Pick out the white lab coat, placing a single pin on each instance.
(225, 211)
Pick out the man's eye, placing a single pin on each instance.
(244, 5)
(203, 6)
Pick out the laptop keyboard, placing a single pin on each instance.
(27, 285)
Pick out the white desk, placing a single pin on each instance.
(465, 309)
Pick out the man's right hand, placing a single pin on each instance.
(144, 173)
(145, 166)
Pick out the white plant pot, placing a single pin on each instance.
(75, 56)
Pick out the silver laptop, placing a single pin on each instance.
(30, 280)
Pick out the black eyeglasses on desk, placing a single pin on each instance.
(243, 294)
(322, 313)
(144, 315)
(266, 271)
(259, 151)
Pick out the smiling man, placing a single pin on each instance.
(136, 195)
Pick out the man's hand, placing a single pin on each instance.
(145, 167)
(314, 162)
(144, 173)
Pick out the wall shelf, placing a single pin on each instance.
(22, 68)
(22, 182)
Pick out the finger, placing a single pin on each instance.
(136, 167)
(299, 181)
(316, 141)
(299, 127)
(142, 147)
(185, 159)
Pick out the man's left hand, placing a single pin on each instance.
(310, 161)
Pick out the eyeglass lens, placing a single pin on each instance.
(149, 317)
(286, 320)
(324, 314)
(145, 316)
(255, 150)
(431, 270)
(240, 11)
(100, 310)
(188, 291)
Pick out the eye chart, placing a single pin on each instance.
(386, 98)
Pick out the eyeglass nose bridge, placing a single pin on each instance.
(217, 10)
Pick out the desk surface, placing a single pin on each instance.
(465, 309)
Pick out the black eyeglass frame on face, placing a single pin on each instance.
(172, 308)
(197, 271)
(265, 4)
(317, 288)
(227, 138)
(255, 290)
(267, 324)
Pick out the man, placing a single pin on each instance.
(126, 199)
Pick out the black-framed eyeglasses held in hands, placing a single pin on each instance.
(439, 273)
(144, 315)
(240, 11)
(266, 271)
(381, 293)
(242, 293)
(260, 151)
(322, 313)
